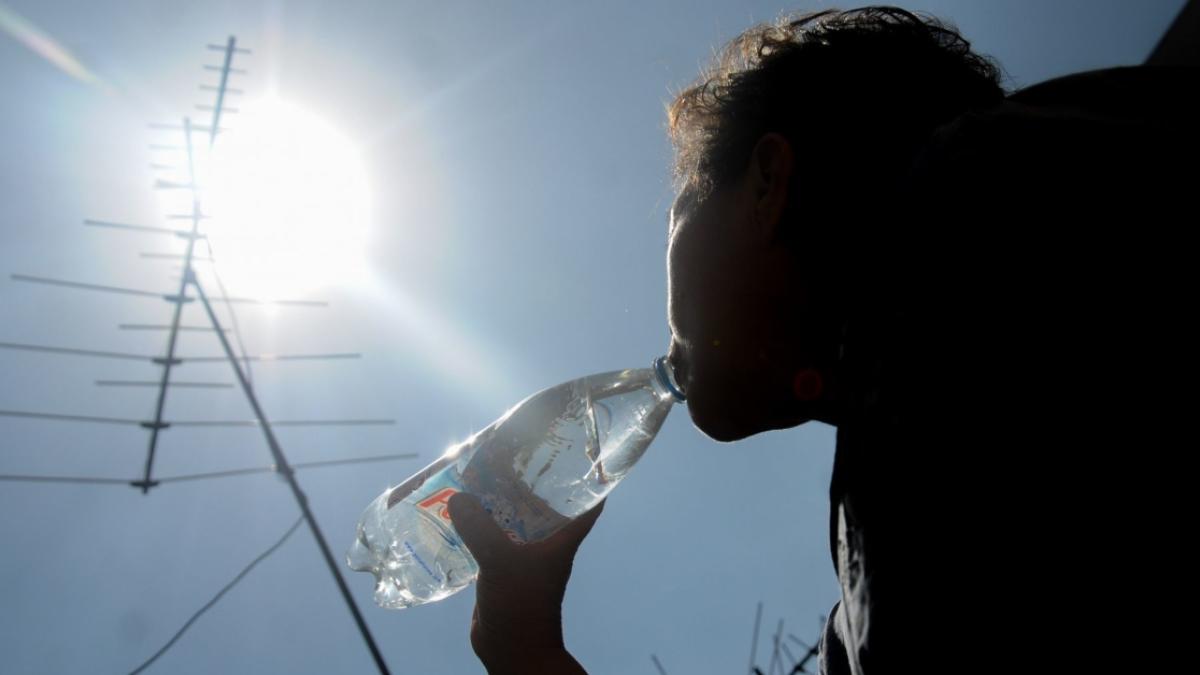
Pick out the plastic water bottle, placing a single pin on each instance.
(549, 459)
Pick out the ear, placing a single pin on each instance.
(770, 174)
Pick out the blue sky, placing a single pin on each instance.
(518, 174)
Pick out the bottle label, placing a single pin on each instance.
(492, 477)
(422, 485)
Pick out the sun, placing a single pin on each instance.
(288, 203)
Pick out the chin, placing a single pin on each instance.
(720, 425)
(725, 423)
(723, 434)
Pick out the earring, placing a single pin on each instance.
(808, 384)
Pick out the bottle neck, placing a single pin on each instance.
(664, 381)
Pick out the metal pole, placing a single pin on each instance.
(230, 46)
(287, 472)
(754, 638)
(157, 425)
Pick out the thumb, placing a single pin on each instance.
(479, 532)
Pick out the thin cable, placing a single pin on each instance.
(80, 352)
(73, 418)
(257, 423)
(754, 639)
(164, 424)
(18, 478)
(223, 591)
(320, 464)
(139, 228)
(269, 357)
(86, 287)
(182, 359)
(151, 383)
(150, 326)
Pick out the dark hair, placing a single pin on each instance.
(854, 91)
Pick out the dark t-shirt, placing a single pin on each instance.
(1009, 492)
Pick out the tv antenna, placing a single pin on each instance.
(189, 290)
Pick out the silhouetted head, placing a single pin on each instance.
(787, 149)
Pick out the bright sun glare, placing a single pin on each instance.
(288, 200)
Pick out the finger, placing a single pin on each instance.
(484, 539)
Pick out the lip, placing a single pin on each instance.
(678, 370)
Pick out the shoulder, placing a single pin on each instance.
(1086, 124)
(1103, 144)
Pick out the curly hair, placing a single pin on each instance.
(855, 91)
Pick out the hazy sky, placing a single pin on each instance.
(516, 164)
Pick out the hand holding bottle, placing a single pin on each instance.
(517, 623)
(546, 462)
